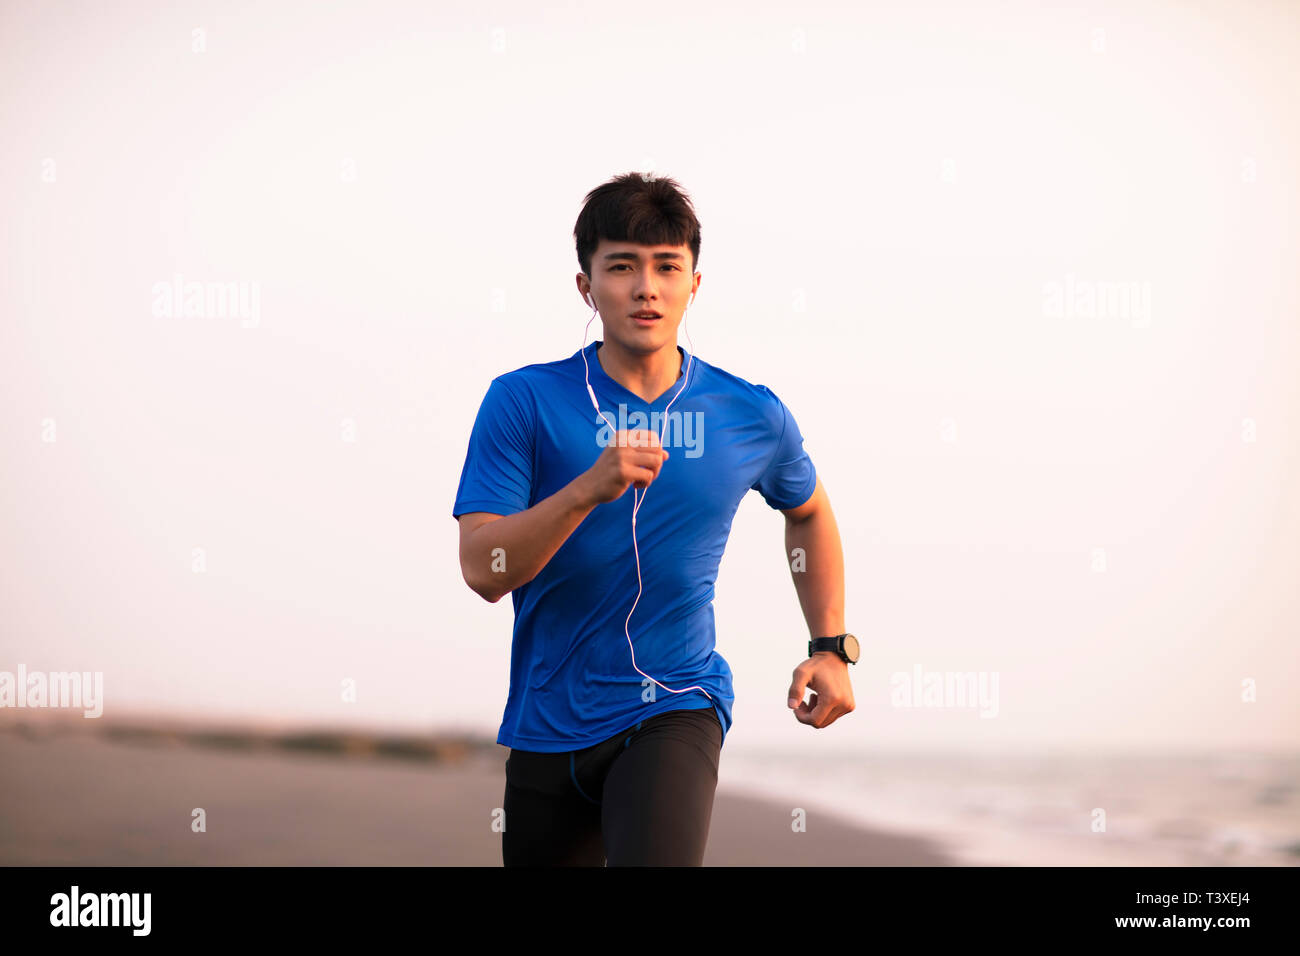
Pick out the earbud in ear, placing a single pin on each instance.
(591, 303)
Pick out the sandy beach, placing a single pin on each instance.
(77, 795)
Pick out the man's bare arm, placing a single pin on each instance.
(527, 540)
(819, 576)
(818, 571)
(499, 554)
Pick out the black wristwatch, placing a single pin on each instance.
(845, 645)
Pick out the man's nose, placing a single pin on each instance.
(647, 285)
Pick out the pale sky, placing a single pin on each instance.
(905, 214)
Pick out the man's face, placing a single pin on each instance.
(627, 278)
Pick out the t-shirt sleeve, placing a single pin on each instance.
(498, 473)
(790, 478)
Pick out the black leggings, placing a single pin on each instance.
(644, 797)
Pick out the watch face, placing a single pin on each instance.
(851, 647)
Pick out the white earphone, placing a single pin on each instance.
(636, 505)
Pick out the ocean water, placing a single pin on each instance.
(1098, 810)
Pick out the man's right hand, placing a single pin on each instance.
(633, 458)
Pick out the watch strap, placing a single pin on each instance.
(826, 644)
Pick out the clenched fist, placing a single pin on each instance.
(633, 458)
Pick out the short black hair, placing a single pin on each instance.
(636, 208)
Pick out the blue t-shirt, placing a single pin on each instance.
(572, 680)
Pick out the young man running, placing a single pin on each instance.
(619, 702)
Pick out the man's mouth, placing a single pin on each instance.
(646, 317)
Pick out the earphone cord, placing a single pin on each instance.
(636, 505)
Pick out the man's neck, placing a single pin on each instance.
(646, 376)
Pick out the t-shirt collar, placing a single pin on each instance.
(598, 376)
